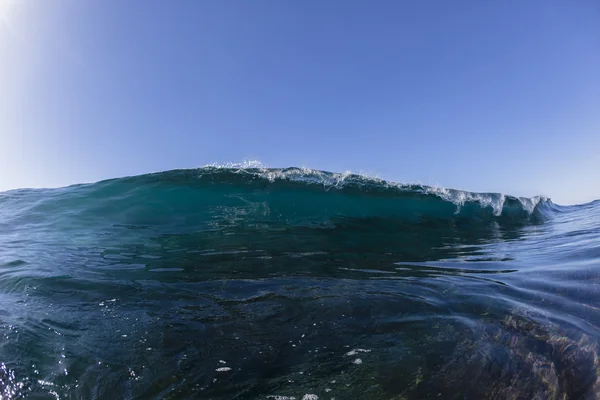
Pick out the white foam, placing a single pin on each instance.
(307, 175)
(460, 197)
(529, 204)
(246, 164)
(356, 351)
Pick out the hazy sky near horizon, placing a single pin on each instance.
(482, 96)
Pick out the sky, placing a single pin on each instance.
(492, 96)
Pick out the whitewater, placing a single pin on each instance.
(244, 282)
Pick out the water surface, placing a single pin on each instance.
(221, 283)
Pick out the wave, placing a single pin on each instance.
(463, 202)
(287, 194)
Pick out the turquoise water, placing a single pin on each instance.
(223, 283)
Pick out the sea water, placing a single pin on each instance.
(253, 283)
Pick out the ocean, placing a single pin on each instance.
(254, 283)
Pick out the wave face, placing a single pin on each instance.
(245, 282)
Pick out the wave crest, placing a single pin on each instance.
(499, 203)
(286, 195)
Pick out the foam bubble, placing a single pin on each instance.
(356, 351)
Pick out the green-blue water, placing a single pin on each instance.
(220, 283)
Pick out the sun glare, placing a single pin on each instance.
(7, 7)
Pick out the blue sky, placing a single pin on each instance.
(476, 95)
